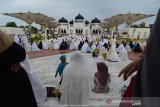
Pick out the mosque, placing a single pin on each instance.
(79, 26)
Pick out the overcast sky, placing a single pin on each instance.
(70, 8)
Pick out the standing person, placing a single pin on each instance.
(148, 67)
(77, 82)
(61, 67)
(16, 89)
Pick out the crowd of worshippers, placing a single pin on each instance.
(21, 86)
(99, 46)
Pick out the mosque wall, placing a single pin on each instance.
(96, 29)
(62, 29)
(141, 33)
(11, 30)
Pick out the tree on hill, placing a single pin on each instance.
(11, 24)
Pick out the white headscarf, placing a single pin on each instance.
(77, 81)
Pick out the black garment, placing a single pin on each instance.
(80, 45)
(106, 46)
(124, 44)
(40, 46)
(148, 76)
(117, 45)
(131, 44)
(137, 48)
(63, 46)
(16, 89)
(91, 44)
(66, 45)
(86, 40)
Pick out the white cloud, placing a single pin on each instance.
(70, 8)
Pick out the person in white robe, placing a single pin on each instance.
(128, 48)
(39, 90)
(75, 45)
(55, 44)
(93, 47)
(28, 48)
(44, 44)
(123, 54)
(49, 44)
(84, 47)
(24, 41)
(16, 39)
(35, 47)
(102, 54)
(77, 82)
(143, 45)
(71, 47)
(112, 54)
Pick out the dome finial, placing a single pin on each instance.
(79, 16)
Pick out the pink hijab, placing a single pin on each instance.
(102, 74)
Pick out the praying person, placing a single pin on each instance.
(77, 82)
(101, 79)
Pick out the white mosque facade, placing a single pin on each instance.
(79, 26)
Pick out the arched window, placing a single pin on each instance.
(64, 30)
(81, 30)
(96, 31)
(99, 32)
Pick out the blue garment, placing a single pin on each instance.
(135, 45)
(60, 68)
(62, 56)
(89, 49)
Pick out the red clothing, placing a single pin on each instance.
(128, 94)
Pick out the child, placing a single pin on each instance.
(61, 67)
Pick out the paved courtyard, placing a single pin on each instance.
(46, 67)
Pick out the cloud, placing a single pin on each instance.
(70, 8)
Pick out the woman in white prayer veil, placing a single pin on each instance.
(16, 39)
(112, 54)
(34, 47)
(84, 47)
(75, 45)
(44, 44)
(128, 48)
(123, 54)
(77, 82)
(39, 90)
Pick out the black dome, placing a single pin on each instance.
(87, 22)
(79, 17)
(63, 20)
(96, 20)
(71, 22)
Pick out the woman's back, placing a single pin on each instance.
(76, 83)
